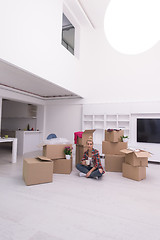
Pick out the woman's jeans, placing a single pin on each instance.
(85, 169)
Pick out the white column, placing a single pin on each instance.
(14, 150)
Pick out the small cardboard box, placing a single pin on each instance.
(37, 170)
(134, 173)
(113, 163)
(80, 149)
(113, 148)
(113, 136)
(62, 166)
(55, 151)
(136, 158)
(85, 135)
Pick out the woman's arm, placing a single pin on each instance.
(83, 161)
(96, 158)
(97, 161)
(90, 171)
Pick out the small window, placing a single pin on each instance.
(68, 34)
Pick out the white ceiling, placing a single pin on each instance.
(18, 79)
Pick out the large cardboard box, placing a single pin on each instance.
(113, 136)
(85, 135)
(80, 149)
(37, 170)
(55, 151)
(113, 148)
(134, 173)
(62, 166)
(136, 157)
(113, 163)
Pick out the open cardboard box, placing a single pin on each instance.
(113, 136)
(37, 170)
(85, 135)
(136, 157)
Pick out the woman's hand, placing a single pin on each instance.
(88, 174)
(84, 162)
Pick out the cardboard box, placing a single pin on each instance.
(37, 170)
(134, 173)
(113, 163)
(136, 158)
(55, 151)
(80, 149)
(113, 148)
(62, 166)
(114, 136)
(85, 135)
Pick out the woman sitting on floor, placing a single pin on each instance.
(90, 165)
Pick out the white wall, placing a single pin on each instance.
(40, 124)
(114, 77)
(63, 118)
(0, 111)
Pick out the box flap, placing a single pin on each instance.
(89, 131)
(142, 154)
(43, 158)
(139, 153)
(126, 151)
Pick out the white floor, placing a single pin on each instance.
(78, 208)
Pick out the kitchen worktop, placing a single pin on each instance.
(29, 131)
(29, 141)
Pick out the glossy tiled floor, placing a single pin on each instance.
(113, 208)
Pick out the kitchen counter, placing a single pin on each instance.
(29, 141)
(30, 131)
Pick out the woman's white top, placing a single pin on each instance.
(91, 161)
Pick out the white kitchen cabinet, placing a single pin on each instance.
(29, 141)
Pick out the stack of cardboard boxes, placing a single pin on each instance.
(56, 153)
(111, 148)
(41, 169)
(81, 145)
(135, 164)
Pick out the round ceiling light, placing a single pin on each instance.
(132, 26)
